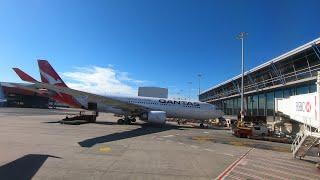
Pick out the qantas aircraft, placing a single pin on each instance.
(153, 110)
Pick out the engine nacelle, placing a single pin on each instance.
(158, 117)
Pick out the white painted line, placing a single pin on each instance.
(281, 170)
(206, 132)
(209, 150)
(168, 136)
(247, 175)
(233, 177)
(276, 162)
(180, 143)
(227, 154)
(285, 161)
(268, 173)
(194, 146)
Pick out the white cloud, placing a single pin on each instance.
(102, 80)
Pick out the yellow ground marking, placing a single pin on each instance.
(237, 143)
(202, 139)
(280, 149)
(104, 149)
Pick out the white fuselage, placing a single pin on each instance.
(173, 108)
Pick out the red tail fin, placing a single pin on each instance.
(24, 76)
(49, 75)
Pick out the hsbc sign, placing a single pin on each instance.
(303, 106)
(308, 106)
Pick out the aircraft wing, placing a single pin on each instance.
(90, 97)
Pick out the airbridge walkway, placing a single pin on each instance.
(304, 109)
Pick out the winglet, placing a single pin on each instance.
(24, 76)
(49, 75)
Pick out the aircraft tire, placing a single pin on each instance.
(120, 121)
(201, 125)
(127, 121)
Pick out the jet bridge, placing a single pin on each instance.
(304, 109)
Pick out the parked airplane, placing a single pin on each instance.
(154, 110)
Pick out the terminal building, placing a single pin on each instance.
(292, 73)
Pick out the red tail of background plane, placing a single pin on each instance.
(24, 76)
(49, 75)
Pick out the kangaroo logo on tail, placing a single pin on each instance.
(49, 75)
(50, 79)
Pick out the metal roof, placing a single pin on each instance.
(276, 59)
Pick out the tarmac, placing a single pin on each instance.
(34, 146)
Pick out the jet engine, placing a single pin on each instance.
(158, 117)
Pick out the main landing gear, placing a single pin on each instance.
(201, 125)
(126, 120)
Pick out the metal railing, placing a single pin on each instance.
(295, 74)
(297, 142)
(301, 137)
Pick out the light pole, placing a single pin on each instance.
(181, 92)
(190, 83)
(241, 37)
(199, 76)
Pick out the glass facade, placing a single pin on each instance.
(249, 105)
(302, 90)
(312, 88)
(270, 103)
(236, 105)
(255, 100)
(262, 104)
(288, 92)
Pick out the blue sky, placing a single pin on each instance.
(147, 42)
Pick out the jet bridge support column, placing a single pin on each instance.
(318, 112)
(2, 98)
(318, 100)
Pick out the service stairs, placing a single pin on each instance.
(304, 142)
